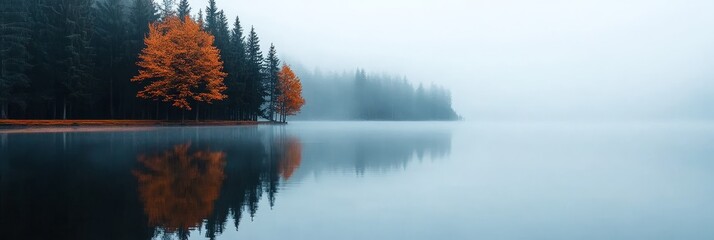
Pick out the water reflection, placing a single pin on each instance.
(292, 156)
(250, 175)
(371, 150)
(167, 182)
(178, 187)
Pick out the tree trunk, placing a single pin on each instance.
(157, 110)
(111, 97)
(271, 116)
(3, 110)
(198, 106)
(111, 84)
(64, 109)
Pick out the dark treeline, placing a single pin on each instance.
(361, 96)
(75, 58)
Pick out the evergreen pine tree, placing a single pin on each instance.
(222, 33)
(15, 33)
(167, 9)
(255, 90)
(183, 9)
(111, 47)
(272, 68)
(41, 92)
(141, 14)
(236, 68)
(360, 91)
(211, 17)
(199, 18)
(68, 51)
(222, 42)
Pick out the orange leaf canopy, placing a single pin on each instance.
(181, 64)
(290, 100)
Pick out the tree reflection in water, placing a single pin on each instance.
(291, 158)
(249, 176)
(184, 188)
(178, 187)
(166, 182)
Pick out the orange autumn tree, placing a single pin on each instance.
(290, 98)
(181, 65)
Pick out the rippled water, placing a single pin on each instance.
(361, 180)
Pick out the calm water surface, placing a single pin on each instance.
(353, 180)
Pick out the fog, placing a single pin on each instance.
(511, 59)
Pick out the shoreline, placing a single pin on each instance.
(125, 123)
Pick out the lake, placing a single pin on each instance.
(362, 180)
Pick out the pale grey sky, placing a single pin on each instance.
(511, 59)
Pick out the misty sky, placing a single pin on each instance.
(511, 59)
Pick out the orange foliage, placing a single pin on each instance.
(181, 64)
(290, 100)
(178, 188)
(291, 158)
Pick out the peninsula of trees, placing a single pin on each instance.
(141, 59)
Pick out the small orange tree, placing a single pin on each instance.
(290, 93)
(181, 64)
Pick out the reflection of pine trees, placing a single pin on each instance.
(114, 185)
(82, 185)
(242, 187)
(249, 176)
(84, 195)
(364, 150)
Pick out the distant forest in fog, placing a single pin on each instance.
(358, 95)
